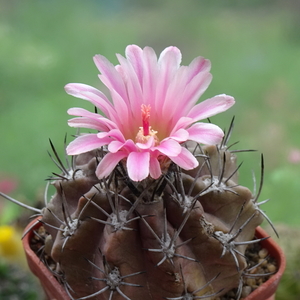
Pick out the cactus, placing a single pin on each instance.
(177, 228)
(182, 235)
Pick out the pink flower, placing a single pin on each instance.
(152, 113)
(7, 184)
(294, 156)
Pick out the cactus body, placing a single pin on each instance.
(181, 236)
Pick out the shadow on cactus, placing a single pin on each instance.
(149, 212)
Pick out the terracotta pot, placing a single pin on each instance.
(267, 290)
(55, 291)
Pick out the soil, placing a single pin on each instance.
(259, 263)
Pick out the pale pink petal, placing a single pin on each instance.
(108, 163)
(138, 165)
(87, 123)
(211, 107)
(176, 87)
(186, 160)
(149, 143)
(115, 134)
(183, 122)
(134, 88)
(188, 85)
(77, 111)
(105, 123)
(110, 77)
(169, 62)
(122, 109)
(150, 77)
(144, 62)
(169, 147)
(198, 65)
(205, 133)
(154, 167)
(115, 146)
(180, 135)
(194, 90)
(170, 58)
(134, 54)
(85, 143)
(128, 112)
(127, 146)
(91, 94)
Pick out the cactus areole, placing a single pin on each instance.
(148, 206)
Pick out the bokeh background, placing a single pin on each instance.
(254, 48)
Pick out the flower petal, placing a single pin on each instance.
(150, 77)
(127, 146)
(198, 65)
(169, 61)
(110, 77)
(122, 110)
(97, 121)
(115, 146)
(85, 143)
(180, 135)
(154, 167)
(134, 88)
(149, 143)
(205, 133)
(194, 90)
(77, 111)
(114, 134)
(108, 163)
(169, 147)
(189, 83)
(138, 165)
(170, 108)
(91, 94)
(134, 55)
(170, 58)
(87, 123)
(186, 160)
(183, 122)
(211, 107)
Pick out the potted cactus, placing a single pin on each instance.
(149, 205)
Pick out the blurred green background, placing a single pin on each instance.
(253, 46)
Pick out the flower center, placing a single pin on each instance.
(145, 132)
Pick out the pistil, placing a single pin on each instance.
(145, 132)
(145, 119)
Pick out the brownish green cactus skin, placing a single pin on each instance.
(182, 236)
